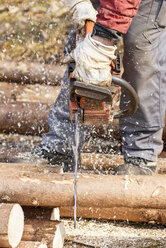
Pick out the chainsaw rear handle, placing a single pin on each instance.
(89, 27)
(132, 95)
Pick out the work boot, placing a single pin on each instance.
(136, 166)
(54, 158)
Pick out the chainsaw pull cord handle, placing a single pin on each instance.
(89, 27)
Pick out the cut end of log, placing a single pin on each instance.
(58, 241)
(15, 225)
(55, 215)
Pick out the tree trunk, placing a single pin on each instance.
(117, 213)
(105, 191)
(51, 233)
(11, 224)
(105, 162)
(20, 72)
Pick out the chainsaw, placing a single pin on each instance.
(93, 105)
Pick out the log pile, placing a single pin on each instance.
(25, 102)
(24, 109)
(17, 232)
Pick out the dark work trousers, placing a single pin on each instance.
(60, 137)
(145, 69)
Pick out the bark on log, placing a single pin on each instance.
(20, 72)
(31, 244)
(54, 190)
(115, 213)
(38, 213)
(10, 92)
(51, 233)
(11, 224)
(118, 213)
(24, 118)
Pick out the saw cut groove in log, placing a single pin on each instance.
(11, 224)
(51, 233)
(20, 72)
(118, 213)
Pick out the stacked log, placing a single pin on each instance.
(31, 72)
(15, 232)
(24, 109)
(11, 225)
(108, 162)
(49, 233)
(19, 104)
(98, 196)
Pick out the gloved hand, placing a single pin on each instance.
(81, 10)
(93, 61)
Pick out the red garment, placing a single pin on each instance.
(117, 14)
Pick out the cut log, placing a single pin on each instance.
(105, 191)
(11, 224)
(51, 233)
(118, 213)
(31, 244)
(115, 213)
(20, 72)
(98, 161)
(106, 162)
(10, 92)
(24, 118)
(38, 213)
(55, 215)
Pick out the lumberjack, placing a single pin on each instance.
(142, 25)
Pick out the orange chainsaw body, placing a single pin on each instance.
(93, 111)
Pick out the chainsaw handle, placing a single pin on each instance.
(89, 27)
(132, 95)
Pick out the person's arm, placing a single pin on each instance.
(117, 14)
(94, 54)
(81, 11)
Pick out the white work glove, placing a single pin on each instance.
(81, 10)
(93, 61)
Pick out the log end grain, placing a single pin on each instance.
(59, 237)
(15, 225)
